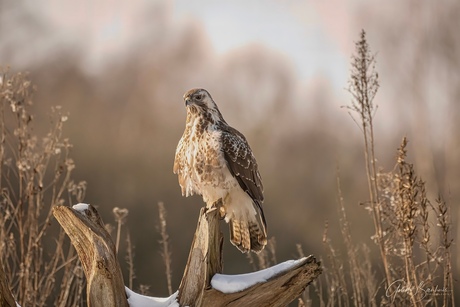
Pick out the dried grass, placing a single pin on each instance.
(415, 254)
(39, 262)
(165, 253)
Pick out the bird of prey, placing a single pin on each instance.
(214, 160)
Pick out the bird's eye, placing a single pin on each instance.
(199, 97)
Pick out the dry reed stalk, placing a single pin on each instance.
(120, 218)
(165, 253)
(357, 283)
(406, 214)
(444, 223)
(130, 260)
(267, 256)
(335, 277)
(363, 87)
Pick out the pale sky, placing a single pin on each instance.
(315, 37)
(295, 28)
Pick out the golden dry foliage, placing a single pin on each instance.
(412, 234)
(418, 236)
(40, 264)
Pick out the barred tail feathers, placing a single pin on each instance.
(248, 233)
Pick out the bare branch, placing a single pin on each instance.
(97, 253)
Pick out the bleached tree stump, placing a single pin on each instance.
(96, 250)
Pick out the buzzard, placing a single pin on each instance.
(214, 160)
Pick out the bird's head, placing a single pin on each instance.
(199, 101)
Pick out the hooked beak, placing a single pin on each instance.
(188, 101)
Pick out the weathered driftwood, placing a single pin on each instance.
(97, 254)
(105, 282)
(278, 291)
(205, 260)
(6, 298)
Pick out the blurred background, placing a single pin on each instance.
(278, 71)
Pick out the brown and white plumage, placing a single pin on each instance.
(214, 160)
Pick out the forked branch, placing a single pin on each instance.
(105, 287)
(96, 250)
(205, 260)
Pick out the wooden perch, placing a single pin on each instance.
(105, 282)
(277, 291)
(205, 260)
(97, 254)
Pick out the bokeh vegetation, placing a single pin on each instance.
(124, 121)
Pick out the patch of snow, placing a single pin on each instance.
(237, 283)
(81, 207)
(137, 300)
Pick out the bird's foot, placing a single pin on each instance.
(217, 205)
(222, 212)
(222, 208)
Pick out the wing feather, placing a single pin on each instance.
(242, 163)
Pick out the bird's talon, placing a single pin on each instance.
(222, 212)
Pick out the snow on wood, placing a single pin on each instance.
(138, 300)
(237, 283)
(81, 207)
